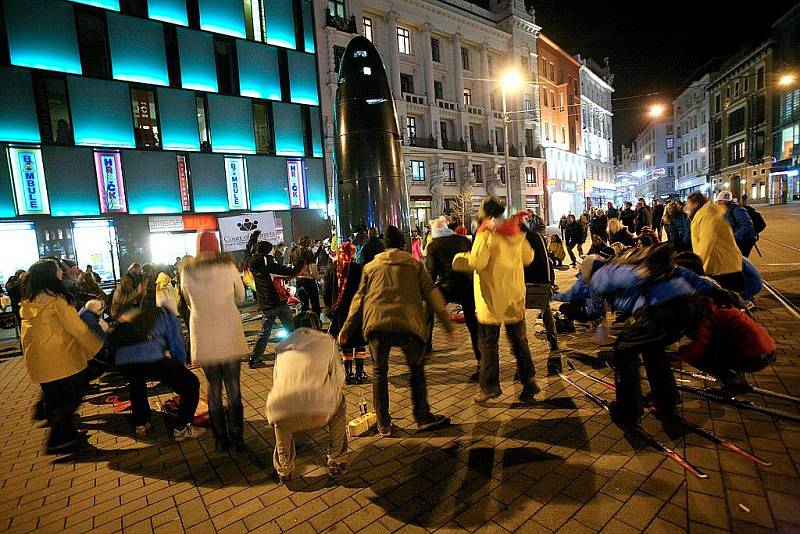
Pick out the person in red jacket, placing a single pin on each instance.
(727, 343)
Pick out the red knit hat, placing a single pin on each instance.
(207, 243)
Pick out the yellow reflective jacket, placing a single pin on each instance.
(712, 240)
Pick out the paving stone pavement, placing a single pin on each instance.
(559, 465)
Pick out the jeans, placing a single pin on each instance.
(283, 313)
(229, 374)
(380, 344)
(488, 339)
(308, 293)
(172, 373)
(62, 398)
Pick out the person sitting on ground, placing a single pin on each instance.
(580, 302)
(555, 251)
(617, 233)
(306, 395)
(598, 244)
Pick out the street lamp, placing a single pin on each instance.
(786, 80)
(656, 110)
(510, 81)
(647, 157)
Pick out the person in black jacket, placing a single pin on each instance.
(644, 216)
(574, 237)
(455, 286)
(372, 247)
(540, 271)
(306, 282)
(598, 225)
(272, 305)
(658, 216)
(619, 234)
(612, 212)
(628, 217)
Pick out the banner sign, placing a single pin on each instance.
(296, 173)
(181, 223)
(183, 183)
(165, 223)
(235, 231)
(110, 185)
(236, 174)
(27, 176)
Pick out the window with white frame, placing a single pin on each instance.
(530, 175)
(368, 28)
(449, 169)
(467, 97)
(336, 7)
(418, 170)
(403, 40)
(477, 173)
(561, 101)
(411, 128)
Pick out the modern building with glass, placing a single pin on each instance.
(128, 125)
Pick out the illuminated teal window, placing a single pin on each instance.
(41, 35)
(101, 112)
(316, 133)
(308, 26)
(315, 183)
(173, 11)
(17, 108)
(288, 123)
(71, 181)
(137, 50)
(267, 183)
(107, 4)
(280, 23)
(7, 208)
(258, 70)
(303, 78)
(151, 182)
(178, 115)
(198, 67)
(209, 188)
(231, 121)
(222, 16)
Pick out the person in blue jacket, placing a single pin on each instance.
(149, 347)
(743, 230)
(678, 227)
(581, 302)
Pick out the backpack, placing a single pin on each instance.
(758, 221)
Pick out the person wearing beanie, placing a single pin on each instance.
(388, 310)
(372, 248)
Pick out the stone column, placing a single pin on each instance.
(486, 94)
(427, 69)
(394, 55)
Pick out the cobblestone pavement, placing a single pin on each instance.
(502, 467)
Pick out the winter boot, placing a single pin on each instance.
(361, 376)
(349, 377)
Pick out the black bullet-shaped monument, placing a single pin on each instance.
(367, 151)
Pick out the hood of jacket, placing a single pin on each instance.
(163, 281)
(34, 309)
(305, 340)
(394, 256)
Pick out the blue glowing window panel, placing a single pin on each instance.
(288, 129)
(303, 78)
(209, 188)
(137, 50)
(7, 208)
(231, 124)
(198, 66)
(151, 182)
(17, 108)
(41, 35)
(316, 133)
(107, 4)
(71, 181)
(101, 113)
(280, 23)
(172, 11)
(177, 112)
(315, 183)
(258, 70)
(223, 16)
(266, 177)
(308, 26)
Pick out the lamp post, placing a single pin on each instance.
(510, 81)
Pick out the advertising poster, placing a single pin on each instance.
(235, 231)
(27, 175)
(110, 184)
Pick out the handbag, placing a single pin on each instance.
(537, 296)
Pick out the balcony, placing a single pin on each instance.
(474, 110)
(421, 142)
(340, 23)
(481, 148)
(412, 98)
(460, 146)
(447, 104)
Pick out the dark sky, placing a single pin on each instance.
(654, 46)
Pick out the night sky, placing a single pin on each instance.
(653, 51)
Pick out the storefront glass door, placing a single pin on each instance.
(19, 243)
(96, 245)
(167, 246)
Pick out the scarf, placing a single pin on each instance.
(344, 257)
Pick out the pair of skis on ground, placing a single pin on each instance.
(652, 440)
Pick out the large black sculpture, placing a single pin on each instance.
(367, 152)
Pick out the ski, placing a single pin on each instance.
(638, 430)
(762, 391)
(708, 434)
(714, 395)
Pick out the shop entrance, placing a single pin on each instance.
(20, 240)
(96, 245)
(165, 247)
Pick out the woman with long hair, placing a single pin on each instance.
(618, 233)
(211, 285)
(89, 289)
(57, 346)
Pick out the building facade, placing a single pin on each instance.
(444, 60)
(597, 132)
(655, 159)
(127, 126)
(740, 126)
(690, 117)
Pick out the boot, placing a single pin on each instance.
(349, 377)
(554, 366)
(361, 376)
(627, 409)
(220, 430)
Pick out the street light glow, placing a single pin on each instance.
(511, 80)
(647, 157)
(786, 80)
(656, 110)
(703, 150)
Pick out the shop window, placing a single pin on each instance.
(41, 34)
(227, 72)
(145, 119)
(418, 171)
(201, 102)
(449, 173)
(93, 43)
(172, 11)
(368, 28)
(52, 106)
(436, 54)
(477, 173)
(222, 16)
(403, 40)
(530, 175)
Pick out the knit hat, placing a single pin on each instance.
(724, 196)
(264, 247)
(207, 242)
(394, 238)
(439, 228)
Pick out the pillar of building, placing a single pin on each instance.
(458, 77)
(394, 55)
(430, 91)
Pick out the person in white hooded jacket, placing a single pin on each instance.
(307, 395)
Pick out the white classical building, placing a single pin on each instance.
(442, 59)
(690, 117)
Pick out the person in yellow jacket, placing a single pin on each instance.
(713, 241)
(57, 345)
(498, 257)
(167, 294)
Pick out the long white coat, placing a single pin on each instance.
(211, 290)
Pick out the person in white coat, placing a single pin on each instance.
(211, 285)
(307, 395)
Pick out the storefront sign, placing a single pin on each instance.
(109, 182)
(296, 174)
(27, 175)
(235, 231)
(236, 174)
(183, 183)
(181, 223)
(167, 223)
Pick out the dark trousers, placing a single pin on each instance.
(308, 293)
(169, 371)
(467, 303)
(554, 260)
(227, 373)
(550, 327)
(731, 281)
(62, 398)
(488, 340)
(380, 344)
(746, 246)
(281, 312)
(572, 254)
(727, 366)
